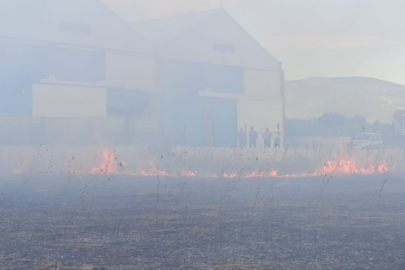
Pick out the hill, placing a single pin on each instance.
(374, 99)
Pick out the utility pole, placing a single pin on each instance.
(277, 142)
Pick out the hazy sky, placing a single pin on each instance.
(330, 38)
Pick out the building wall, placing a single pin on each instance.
(87, 56)
(75, 63)
(249, 74)
(68, 101)
(126, 70)
(182, 109)
(60, 61)
(223, 121)
(224, 79)
(63, 86)
(210, 112)
(262, 83)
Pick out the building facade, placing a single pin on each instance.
(83, 75)
(215, 79)
(73, 68)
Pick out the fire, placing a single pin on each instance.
(189, 174)
(382, 168)
(18, 171)
(342, 164)
(151, 172)
(256, 174)
(274, 173)
(230, 175)
(108, 165)
(347, 167)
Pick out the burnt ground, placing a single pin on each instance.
(120, 222)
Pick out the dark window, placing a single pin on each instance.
(73, 27)
(223, 48)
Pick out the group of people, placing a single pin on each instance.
(252, 136)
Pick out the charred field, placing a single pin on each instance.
(64, 221)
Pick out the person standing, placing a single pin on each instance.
(267, 138)
(252, 138)
(242, 137)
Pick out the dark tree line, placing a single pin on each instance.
(333, 124)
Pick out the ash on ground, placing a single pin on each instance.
(121, 222)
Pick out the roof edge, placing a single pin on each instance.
(175, 16)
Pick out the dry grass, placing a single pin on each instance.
(77, 245)
(239, 265)
(46, 264)
(51, 265)
(161, 217)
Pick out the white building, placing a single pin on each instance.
(74, 69)
(221, 78)
(68, 65)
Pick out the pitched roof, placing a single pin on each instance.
(191, 37)
(40, 20)
(163, 29)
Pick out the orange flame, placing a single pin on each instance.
(342, 164)
(231, 175)
(108, 165)
(382, 168)
(152, 171)
(18, 171)
(256, 174)
(347, 165)
(189, 174)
